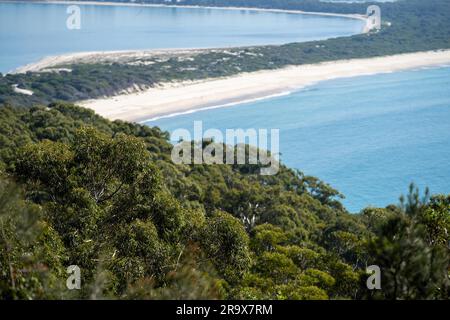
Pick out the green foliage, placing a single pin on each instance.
(139, 253)
(31, 253)
(188, 282)
(304, 258)
(436, 218)
(411, 268)
(106, 197)
(267, 237)
(302, 293)
(314, 277)
(96, 182)
(276, 266)
(410, 250)
(224, 240)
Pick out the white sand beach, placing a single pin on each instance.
(22, 91)
(169, 99)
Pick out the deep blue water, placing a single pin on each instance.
(30, 31)
(369, 136)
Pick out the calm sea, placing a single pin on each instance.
(369, 136)
(30, 31)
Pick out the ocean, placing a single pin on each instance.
(369, 137)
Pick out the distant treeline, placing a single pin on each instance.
(415, 26)
(305, 5)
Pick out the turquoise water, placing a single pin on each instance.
(368, 136)
(30, 31)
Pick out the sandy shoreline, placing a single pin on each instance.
(98, 57)
(173, 99)
(129, 4)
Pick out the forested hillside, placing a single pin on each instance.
(76, 189)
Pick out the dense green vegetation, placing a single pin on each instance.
(76, 189)
(416, 26)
